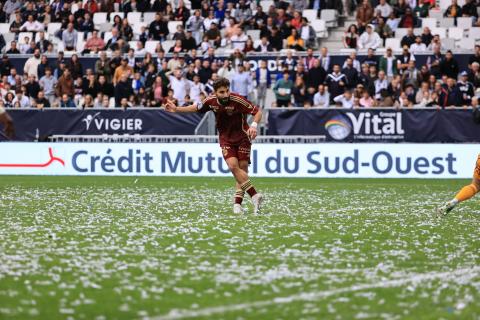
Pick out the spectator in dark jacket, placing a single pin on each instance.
(123, 89)
(336, 82)
(158, 29)
(449, 66)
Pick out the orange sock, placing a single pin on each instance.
(466, 193)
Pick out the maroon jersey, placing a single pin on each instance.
(231, 119)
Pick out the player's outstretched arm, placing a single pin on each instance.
(173, 108)
(252, 131)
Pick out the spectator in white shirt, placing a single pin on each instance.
(322, 97)
(384, 8)
(369, 39)
(345, 100)
(32, 25)
(418, 46)
(196, 89)
(179, 85)
(380, 83)
(239, 40)
(23, 100)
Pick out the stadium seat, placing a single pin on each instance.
(393, 43)
(105, 27)
(310, 14)
(12, 18)
(172, 26)
(254, 34)
(330, 17)
(474, 33)
(150, 46)
(137, 27)
(113, 14)
(442, 32)
(448, 44)
(434, 13)
(466, 43)
(22, 35)
(134, 17)
(99, 18)
(4, 28)
(446, 22)
(166, 45)
(320, 28)
(9, 37)
(256, 43)
(148, 17)
(429, 22)
(455, 33)
(266, 5)
(400, 33)
(74, 7)
(53, 27)
(464, 23)
(132, 44)
(107, 36)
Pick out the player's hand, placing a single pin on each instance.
(170, 107)
(252, 133)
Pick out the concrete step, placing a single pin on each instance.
(331, 44)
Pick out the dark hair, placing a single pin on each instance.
(221, 82)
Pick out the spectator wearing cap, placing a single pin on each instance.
(369, 39)
(465, 89)
(241, 82)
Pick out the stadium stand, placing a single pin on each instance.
(151, 46)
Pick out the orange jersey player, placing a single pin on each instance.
(235, 135)
(465, 193)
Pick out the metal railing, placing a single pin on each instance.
(178, 139)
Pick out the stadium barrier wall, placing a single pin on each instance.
(268, 160)
(33, 124)
(333, 124)
(374, 125)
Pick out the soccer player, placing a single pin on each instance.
(465, 193)
(7, 123)
(235, 135)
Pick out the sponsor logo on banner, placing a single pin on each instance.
(268, 160)
(99, 123)
(385, 126)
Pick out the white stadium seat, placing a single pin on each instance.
(99, 18)
(266, 5)
(446, 22)
(107, 36)
(150, 46)
(53, 27)
(330, 17)
(474, 33)
(148, 17)
(4, 28)
(455, 33)
(22, 35)
(254, 34)
(429, 22)
(393, 43)
(310, 14)
(400, 33)
(320, 28)
(172, 26)
(466, 43)
(166, 45)
(464, 23)
(134, 17)
(442, 32)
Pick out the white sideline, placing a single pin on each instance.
(316, 295)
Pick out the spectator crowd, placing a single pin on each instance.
(135, 67)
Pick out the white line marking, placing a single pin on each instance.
(317, 295)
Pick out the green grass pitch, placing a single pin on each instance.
(170, 248)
